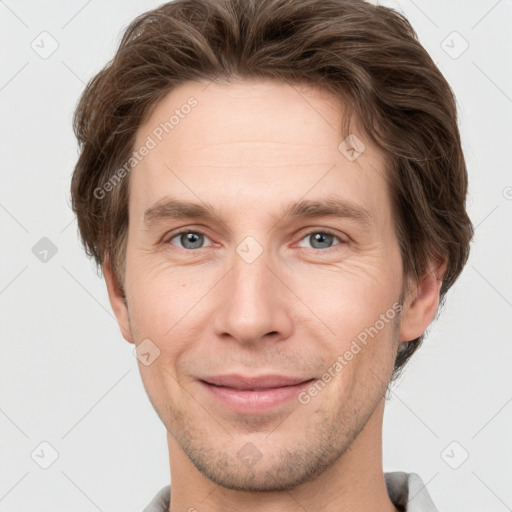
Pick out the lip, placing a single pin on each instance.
(244, 383)
(253, 395)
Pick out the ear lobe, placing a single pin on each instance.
(117, 300)
(421, 303)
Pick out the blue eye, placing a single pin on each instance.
(321, 239)
(193, 240)
(189, 239)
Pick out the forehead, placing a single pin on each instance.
(243, 112)
(245, 136)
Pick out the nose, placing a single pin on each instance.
(255, 303)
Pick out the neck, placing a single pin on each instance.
(354, 482)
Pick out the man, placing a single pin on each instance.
(275, 192)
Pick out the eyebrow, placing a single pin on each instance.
(171, 208)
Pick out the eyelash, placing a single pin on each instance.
(316, 231)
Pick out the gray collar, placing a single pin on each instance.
(406, 490)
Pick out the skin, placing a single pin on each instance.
(249, 148)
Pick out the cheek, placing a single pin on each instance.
(356, 308)
(348, 297)
(166, 304)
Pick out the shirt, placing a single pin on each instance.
(406, 491)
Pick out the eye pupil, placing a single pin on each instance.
(321, 238)
(191, 238)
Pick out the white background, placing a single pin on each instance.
(70, 379)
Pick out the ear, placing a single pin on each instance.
(421, 302)
(116, 297)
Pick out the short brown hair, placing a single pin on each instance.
(368, 56)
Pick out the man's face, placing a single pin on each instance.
(254, 291)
